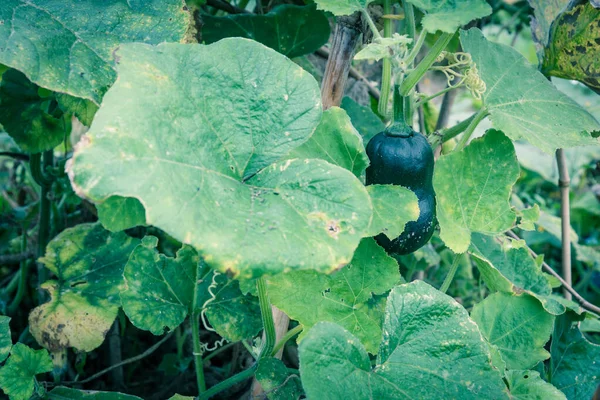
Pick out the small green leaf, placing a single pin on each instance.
(119, 213)
(572, 51)
(523, 103)
(336, 141)
(393, 207)
(346, 297)
(528, 385)
(341, 7)
(78, 58)
(276, 381)
(83, 109)
(448, 16)
(63, 393)
(510, 269)
(34, 122)
(472, 189)
(384, 47)
(159, 290)
(88, 262)
(233, 315)
(517, 325)
(17, 375)
(528, 217)
(210, 177)
(364, 120)
(429, 345)
(5, 338)
(574, 367)
(289, 29)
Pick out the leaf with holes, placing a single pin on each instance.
(393, 207)
(528, 385)
(197, 141)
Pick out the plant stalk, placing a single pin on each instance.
(227, 383)
(198, 362)
(23, 271)
(451, 273)
(267, 319)
(479, 116)
(565, 219)
(290, 334)
(416, 74)
(386, 72)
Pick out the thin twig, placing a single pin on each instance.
(565, 217)
(584, 303)
(421, 114)
(224, 6)
(115, 356)
(15, 258)
(145, 354)
(442, 122)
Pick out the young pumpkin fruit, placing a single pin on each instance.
(401, 156)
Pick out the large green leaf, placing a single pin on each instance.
(78, 57)
(88, 262)
(63, 393)
(5, 338)
(393, 207)
(448, 16)
(429, 345)
(573, 51)
(34, 122)
(336, 141)
(346, 297)
(523, 103)
(17, 375)
(517, 325)
(159, 290)
(528, 385)
(291, 30)
(472, 189)
(574, 367)
(194, 139)
(119, 213)
(507, 267)
(364, 120)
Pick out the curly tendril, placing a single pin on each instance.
(213, 285)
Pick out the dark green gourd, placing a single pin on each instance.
(401, 156)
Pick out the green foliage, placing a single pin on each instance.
(276, 380)
(119, 213)
(17, 377)
(447, 16)
(34, 121)
(5, 339)
(472, 188)
(61, 393)
(335, 365)
(542, 115)
(388, 202)
(518, 326)
(528, 385)
(364, 120)
(291, 30)
(350, 297)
